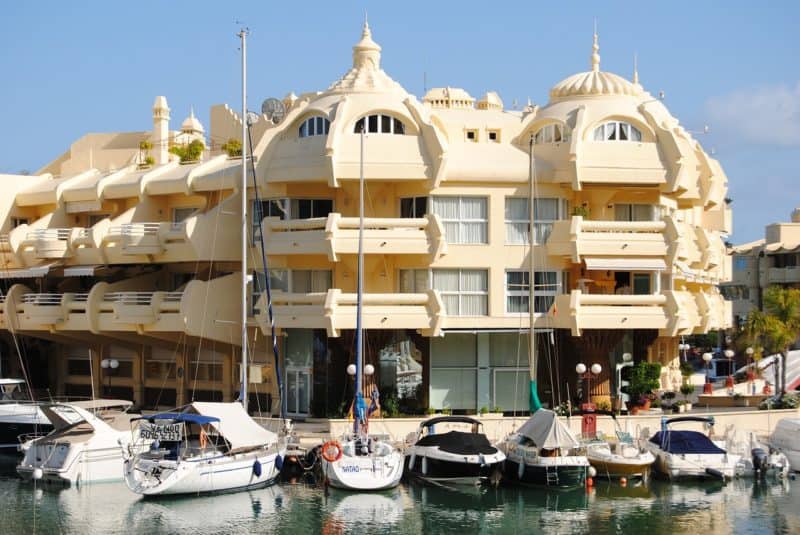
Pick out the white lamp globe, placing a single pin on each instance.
(351, 369)
(749, 351)
(580, 368)
(596, 369)
(113, 364)
(627, 357)
(707, 357)
(105, 363)
(729, 353)
(369, 369)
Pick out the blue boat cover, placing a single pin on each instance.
(182, 417)
(685, 442)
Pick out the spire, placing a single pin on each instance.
(595, 50)
(635, 68)
(366, 51)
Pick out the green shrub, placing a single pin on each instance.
(190, 152)
(687, 389)
(233, 147)
(484, 410)
(687, 369)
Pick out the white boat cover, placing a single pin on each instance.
(235, 424)
(547, 431)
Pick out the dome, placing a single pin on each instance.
(594, 82)
(191, 125)
(490, 101)
(448, 97)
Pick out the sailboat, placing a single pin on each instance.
(210, 447)
(20, 416)
(361, 462)
(543, 450)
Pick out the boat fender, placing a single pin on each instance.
(411, 460)
(37, 473)
(520, 469)
(716, 473)
(424, 466)
(332, 451)
(257, 468)
(279, 462)
(592, 471)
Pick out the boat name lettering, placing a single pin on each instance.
(350, 469)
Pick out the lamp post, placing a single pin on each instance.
(751, 373)
(707, 385)
(580, 369)
(729, 380)
(684, 348)
(622, 397)
(108, 365)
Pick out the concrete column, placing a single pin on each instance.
(484, 387)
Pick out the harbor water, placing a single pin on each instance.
(741, 506)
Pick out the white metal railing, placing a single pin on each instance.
(177, 226)
(83, 233)
(80, 297)
(622, 300)
(129, 298)
(49, 234)
(654, 227)
(4, 239)
(140, 229)
(43, 299)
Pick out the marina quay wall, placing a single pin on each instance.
(498, 427)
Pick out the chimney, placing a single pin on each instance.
(161, 130)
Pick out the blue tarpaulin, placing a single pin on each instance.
(181, 417)
(685, 442)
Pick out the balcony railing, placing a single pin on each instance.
(334, 235)
(147, 238)
(577, 237)
(50, 243)
(579, 311)
(49, 234)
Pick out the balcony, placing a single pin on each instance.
(577, 237)
(149, 239)
(335, 311)
(49, 243)
(335, 235)
(578, 311)
(785, 275)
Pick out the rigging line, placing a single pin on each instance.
(276, 355)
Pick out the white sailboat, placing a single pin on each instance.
(19, 415)
(361, 461)
(210, 447)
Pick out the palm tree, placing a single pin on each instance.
(777, 328)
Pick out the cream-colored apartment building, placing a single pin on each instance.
(108, 254)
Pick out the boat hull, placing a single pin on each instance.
(74, 465)
(563, 476)
(10, 432)
(203, 474)
(364, 473)
(612, 469)
(695, 466)
(436, 470)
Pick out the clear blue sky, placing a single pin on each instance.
(75, 67)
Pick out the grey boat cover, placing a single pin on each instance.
(547, 431)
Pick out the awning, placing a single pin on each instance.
(80, 271)
(26, 273)
(626, 264)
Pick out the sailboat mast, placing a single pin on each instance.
(535, 404)
(243, 36)
(360, 276)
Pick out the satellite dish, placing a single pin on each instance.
(273, 109)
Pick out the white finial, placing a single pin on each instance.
(595, 50)
(191, 112)
(635, 68)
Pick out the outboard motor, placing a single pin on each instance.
(760, 461)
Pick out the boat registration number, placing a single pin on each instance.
(351, 469)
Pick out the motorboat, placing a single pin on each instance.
(205, 447)
(682, 454)
(619, 456)
(786, 439)
(20, 417)
(543, 451)
(361, 462)
(85, 446)
(453, 456)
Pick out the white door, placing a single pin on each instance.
(298, 391)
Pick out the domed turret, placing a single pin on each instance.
(490, 101)
(191, 125)
(448, 97)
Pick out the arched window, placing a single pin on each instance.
(380, 124)
(617, 131)
(552, 133)
(315, 126)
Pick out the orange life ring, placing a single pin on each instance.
(330, 456)
(203, 439)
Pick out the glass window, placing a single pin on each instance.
(314, 126)
(465, 292)
(414, 280)
(635, 212)
(372, 124)
(18, 221)
(380, 124)
(552, 133)
(399, 127)
(545, 289)
(517, 220)
(617, 131)
(641, 283)
(413, 207)
(740, 263)
(465, 219)
(359, 126)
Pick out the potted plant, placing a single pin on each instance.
(644, 380)
(687, 390)
(667, 400)
(680, 406)
(484, 411)
(233, 147)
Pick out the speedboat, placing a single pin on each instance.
(453, 457)
(543, 451)
(20, 418)
(682, 454)
(756, 459)
(620, 457)
(786, 439)
(85, 446)
(206, 447)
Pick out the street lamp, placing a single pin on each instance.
(580, 369)
(108, 365)
(684, 348)
(751, 373)
(729, 380)
(707, 357)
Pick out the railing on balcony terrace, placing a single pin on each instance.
(46, 300)
(639, 227)
(577, 237)
(83, 233)
(142, 298)
(49, 234)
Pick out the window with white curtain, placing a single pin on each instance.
(465, 219)
(552, 133)
(314, 126)
(545, 288)
(617, 131)
(290, 281)
(414, 281)
(636, 212)
(465, 292)
(545, 212)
